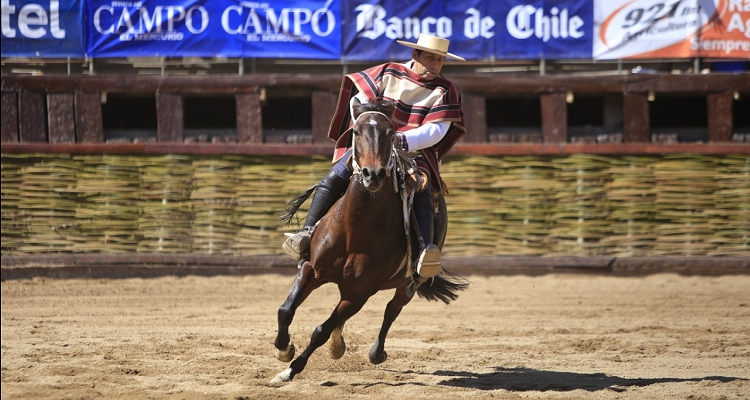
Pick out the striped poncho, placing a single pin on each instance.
(418, 102)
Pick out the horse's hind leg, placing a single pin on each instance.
(304, 284)
(377, 353)
(336, 344)
(343, 312)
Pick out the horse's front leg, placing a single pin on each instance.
(377, 353)
(304, 284)
(321, 334)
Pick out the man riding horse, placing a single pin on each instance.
(428, 120)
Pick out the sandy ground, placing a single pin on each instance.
(508, 337)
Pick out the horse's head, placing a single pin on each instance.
(373, 141)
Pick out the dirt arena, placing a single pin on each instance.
(561, 336)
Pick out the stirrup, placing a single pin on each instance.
(429, 264)
(296, 244)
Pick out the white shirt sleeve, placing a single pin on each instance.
(426, 135)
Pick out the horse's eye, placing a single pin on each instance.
(355, 132)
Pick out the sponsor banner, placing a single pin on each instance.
(477, 29)
(38, 28)
(553, 29)
(373, 27)
(671, 29)
(219, 28)
(367, 30)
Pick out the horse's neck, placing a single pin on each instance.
(363, 204)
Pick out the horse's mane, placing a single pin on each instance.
(378, 104)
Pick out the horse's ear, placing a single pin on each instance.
(386, 107)
(356, 108)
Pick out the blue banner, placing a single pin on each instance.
(477, 29)
(367, 30)
(553, 29)
(45, 29)
(220, 28)
(371, 28)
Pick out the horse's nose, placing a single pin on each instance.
(373, 176)
(374, 173)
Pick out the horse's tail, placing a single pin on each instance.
(444, 287)
(286, 215)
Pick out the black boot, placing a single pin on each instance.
(330, 189)
(428, 263)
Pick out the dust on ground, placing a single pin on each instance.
(548, 337)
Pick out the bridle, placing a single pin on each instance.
(393, 159)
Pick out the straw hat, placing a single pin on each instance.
(432, 44)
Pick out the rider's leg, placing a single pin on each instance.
(428, 262)
(330, 189)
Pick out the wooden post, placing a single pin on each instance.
(169, 117)
(475, 114)
(323, 107)
(88, 111)
(32, 125)
(719, 117)
(249, 118)
(636, 120)
(554, 117)
(10, 117)
(61, 117)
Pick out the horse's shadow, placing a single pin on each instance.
(527, 379)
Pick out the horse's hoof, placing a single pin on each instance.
(376, 358)
(337, 348)
(285, 355)
(283, 377)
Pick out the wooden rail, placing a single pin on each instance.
(92, 265)
(65, 111)
(460, 149)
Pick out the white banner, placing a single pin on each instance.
(671, 29)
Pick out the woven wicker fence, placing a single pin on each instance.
(579, 205)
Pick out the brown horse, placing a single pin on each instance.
(360, 245)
